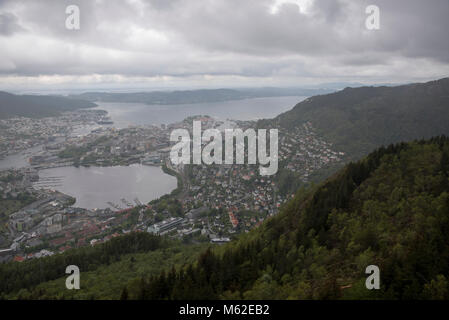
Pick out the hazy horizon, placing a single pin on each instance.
(51, 90)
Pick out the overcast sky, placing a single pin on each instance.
(220, 43)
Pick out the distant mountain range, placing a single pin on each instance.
(197, 96)
(358, 120)
(31, 105)
(35, 106)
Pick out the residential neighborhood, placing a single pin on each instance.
(212, 203)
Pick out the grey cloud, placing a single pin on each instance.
(411, 28)
(223, 37)
(9, 24)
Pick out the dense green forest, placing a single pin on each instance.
(390, 209)
(15, 276)
(108, 280)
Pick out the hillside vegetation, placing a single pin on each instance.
(390, 209)
(358, 120)
(18, 276)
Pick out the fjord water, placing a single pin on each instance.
(125, 114)
(94, 187)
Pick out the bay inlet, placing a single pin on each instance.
(108, 187)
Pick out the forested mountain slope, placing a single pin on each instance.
(358, 120)
(105, 269)
(390, 209)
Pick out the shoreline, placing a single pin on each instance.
(180, 183)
